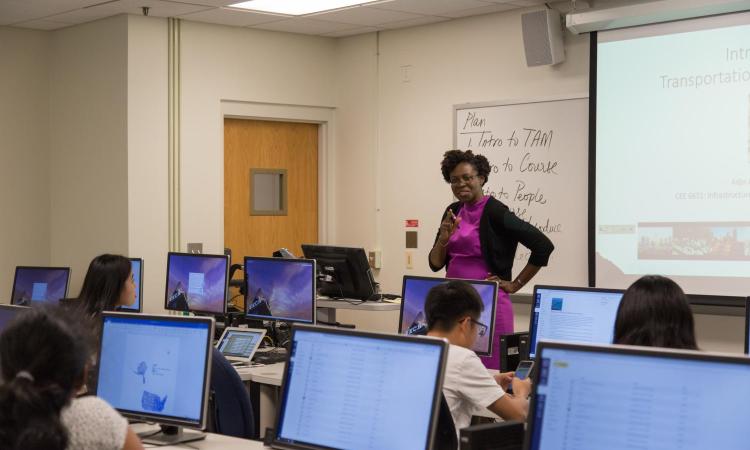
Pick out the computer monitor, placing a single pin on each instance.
(136, 266)
(573, 314)
(8, 313)
(747, 325)
(344, 271)
(197, 283)
(280, 289)
(412, 319)
(593, 397)
(36, 285)
(157, 369)
(353, 389)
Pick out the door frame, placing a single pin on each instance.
(323, 116)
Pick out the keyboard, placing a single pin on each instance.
(269, 357)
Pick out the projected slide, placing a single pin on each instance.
(280, 289)
(413, 320)
(673, 155)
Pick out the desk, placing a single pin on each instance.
(211, 442)
(327, 308)
(268, 380)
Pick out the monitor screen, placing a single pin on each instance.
(280, 289)
(35, 285)
(197, 282)
(616, 398)
(414, 293)
(345, 271)
(240, 343)
(136, 266)
(570, 314)
(156, 367)
(348, 389)
(7, 314)
(747, 325)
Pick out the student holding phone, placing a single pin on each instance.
(452, 311)
(478, 238)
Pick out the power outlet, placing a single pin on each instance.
(409, 260)
(195, 247)
(373, 257)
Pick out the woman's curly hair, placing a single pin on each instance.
(453, 158)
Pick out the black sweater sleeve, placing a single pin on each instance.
(527, 234)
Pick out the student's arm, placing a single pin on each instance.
(513, 406)
(132, 441)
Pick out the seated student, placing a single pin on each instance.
(453, 310)
(654, 312)
(109, 283)
(44, 358)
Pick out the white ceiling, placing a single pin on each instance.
(380, 15)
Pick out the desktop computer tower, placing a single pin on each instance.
(492, 436)
(514, 348)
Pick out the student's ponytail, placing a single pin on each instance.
(42, 359)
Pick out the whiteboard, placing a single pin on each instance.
(538, 153)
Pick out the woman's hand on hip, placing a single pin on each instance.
(508, 286)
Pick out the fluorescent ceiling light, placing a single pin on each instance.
(298, 7)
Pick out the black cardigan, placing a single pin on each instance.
(500, 231)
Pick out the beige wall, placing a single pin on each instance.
(147, 155)
(24, 153)
(244, 65)
(88, 144)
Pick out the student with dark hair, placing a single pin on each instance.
(453, 310)
(109, 283)
(44, 359)
(654, 312)
(478, 238)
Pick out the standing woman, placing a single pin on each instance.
(478, 238)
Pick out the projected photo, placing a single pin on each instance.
(694, 241)
(35, 285)
(196, 283)
(413, 320)
(280, 289)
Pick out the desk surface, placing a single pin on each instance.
(270, 374)
(390, 305)
(211, 442)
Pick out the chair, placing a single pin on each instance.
(446, 437)
(230, 410)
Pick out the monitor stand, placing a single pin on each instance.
(170, 435)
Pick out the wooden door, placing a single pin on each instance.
(258, 144)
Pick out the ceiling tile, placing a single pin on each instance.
(14, 11)
(430, 7)
(363, 15)
(42, 25)
(489, 9)
(414, 22)
(157, 9)
(214, 3)
(228, 16)
(344, 33)
(305, 26)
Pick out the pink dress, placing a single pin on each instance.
(467, 262)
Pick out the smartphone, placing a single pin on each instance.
(524, 369)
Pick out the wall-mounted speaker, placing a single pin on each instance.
(542, 37)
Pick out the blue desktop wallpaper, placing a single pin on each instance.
(38, 285)
(280, 288)
(413, 320)
(196, 284)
